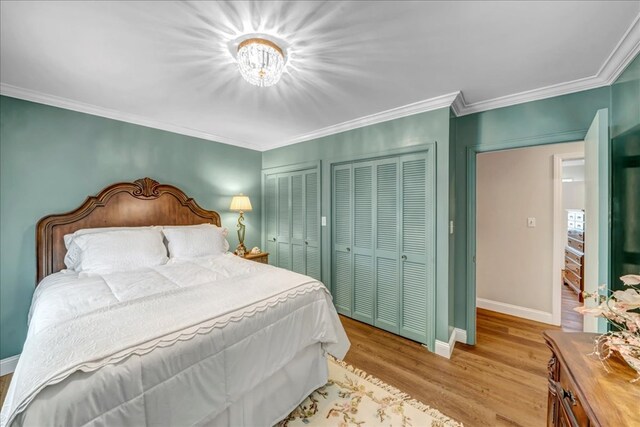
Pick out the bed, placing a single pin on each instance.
(193, 341)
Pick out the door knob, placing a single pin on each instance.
(404, 257)
(348, 249)
(274, 239)
(306, 243)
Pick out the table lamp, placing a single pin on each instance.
(242, 204)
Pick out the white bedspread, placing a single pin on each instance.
(218, 310)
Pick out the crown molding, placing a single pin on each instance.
(68, 104)
(443, 101)
(531, 95)
(624, 52)
(458, 104)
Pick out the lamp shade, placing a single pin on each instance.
(240, 203)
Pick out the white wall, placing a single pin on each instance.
(514, 262)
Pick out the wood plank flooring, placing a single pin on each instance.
(4, 386)
(502, 381)
(571, 320)
(499, 382)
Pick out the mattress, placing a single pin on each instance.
(194, 342)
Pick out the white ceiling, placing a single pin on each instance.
(166, 64)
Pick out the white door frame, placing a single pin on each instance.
(558, 239)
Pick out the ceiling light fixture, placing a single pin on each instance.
(260, 61)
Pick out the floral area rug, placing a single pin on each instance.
(352, 398)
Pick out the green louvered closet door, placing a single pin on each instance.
(297, 223)
(292, 221)
(312, 224)
(383, 263)
(283, 238)
(417, 273)
(363, 261)
(387, 256)
(342, 258)
(271, 217)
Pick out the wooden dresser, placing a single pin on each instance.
(581, 392)
(573, 272)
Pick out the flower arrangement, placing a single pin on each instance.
(621, 309)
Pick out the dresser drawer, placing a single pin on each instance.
(576, 234)
(576, 244)
(575, 257)
(570, 406)
(573, 267)
(573, 279)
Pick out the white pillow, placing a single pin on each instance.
(120, 250)
(196, 241)
(72, 257)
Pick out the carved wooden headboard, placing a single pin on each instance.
(126, 204)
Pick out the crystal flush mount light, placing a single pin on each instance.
(260, 61)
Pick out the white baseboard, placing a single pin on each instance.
(445, 349)
(516, 310)
(461, 335)
(8, 365)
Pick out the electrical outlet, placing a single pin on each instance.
(324, 221)
(531, 222)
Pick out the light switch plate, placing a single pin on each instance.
(531, 222)
(324, 221)
(450, 227)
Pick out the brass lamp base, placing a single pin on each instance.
(241, 250)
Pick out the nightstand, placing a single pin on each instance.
(262, 257)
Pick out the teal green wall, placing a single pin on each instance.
(560, 119)
(393, 136)
(625, 174)
(51, 159)
(625, 100)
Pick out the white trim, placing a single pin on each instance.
(565, 88)
(625, 51)
(443, 101)
(69, 104)
(515, 310)
(8, 365)
(458, 104)
(558, 239)
(461, 335)
(445, 349)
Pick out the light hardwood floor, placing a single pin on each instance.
(4, 385)
(499, 382)
(571, 320)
